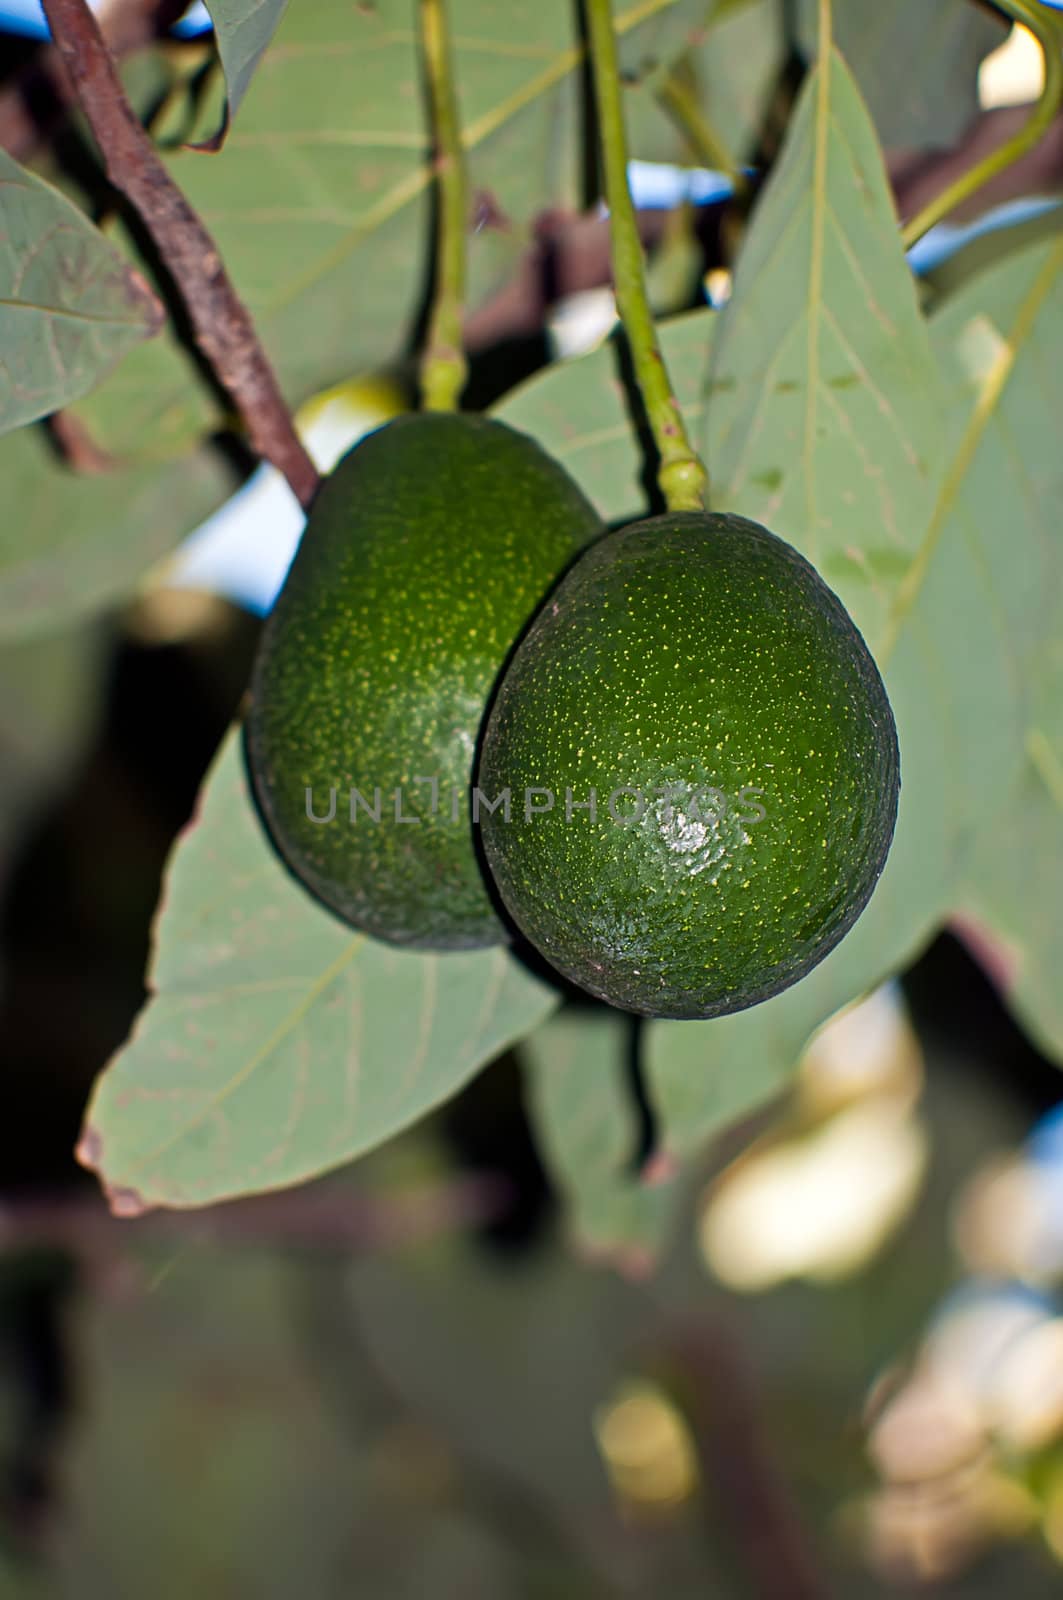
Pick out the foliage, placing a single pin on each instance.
(242, 30)
(916, 69)
(321, 191)
(280, 1042)
(70, 307)
(910, 455)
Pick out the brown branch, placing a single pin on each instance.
(743, 1479)
(221, 324)
(324, 1216)
(76, 445)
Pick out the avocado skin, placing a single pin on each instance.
(695, 649)
(427, 551)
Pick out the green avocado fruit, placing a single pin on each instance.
(700, 768)
(427, 550)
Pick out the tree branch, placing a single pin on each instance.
(221, 324)
(76, 445)
(324, 1216)
(745, 1484)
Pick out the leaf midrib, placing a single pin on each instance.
(64, 313)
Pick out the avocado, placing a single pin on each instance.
(427, 550)
(701, 765)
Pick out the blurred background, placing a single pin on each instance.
(844, 1378)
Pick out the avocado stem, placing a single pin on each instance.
(443, 365)
(681, 475)
(1045, 28)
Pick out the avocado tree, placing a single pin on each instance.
(354, 190)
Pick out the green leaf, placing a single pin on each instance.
(1001, 339)
(707, 1075)
(960, 646)
(823, 422)
(823, 414)
(916, 64)
(948, 277)
(935, 614)
(975, 604)
(582, 1107)
(704, 1082)
(279, 1043)
(72, 542)
(70, 306)
(242, 31)
(735, 66)
(579, 410)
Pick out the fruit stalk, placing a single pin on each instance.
(221, 325)
(682, 477)
(1045, 29)
(443, 366)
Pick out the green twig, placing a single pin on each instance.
(682, 478)
(1045, 30)
(443, 366)
(706, 145)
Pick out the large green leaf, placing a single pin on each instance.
(823, 421)
(1004, 332)
(947, 634)
(277, 1042)
(823, 413)
(735, 68)
(916, 62)
(70, 305)
(798, 319)
(963, 646)
(944, 614)
(583, 1110)
(976, 603)
(242, 29)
